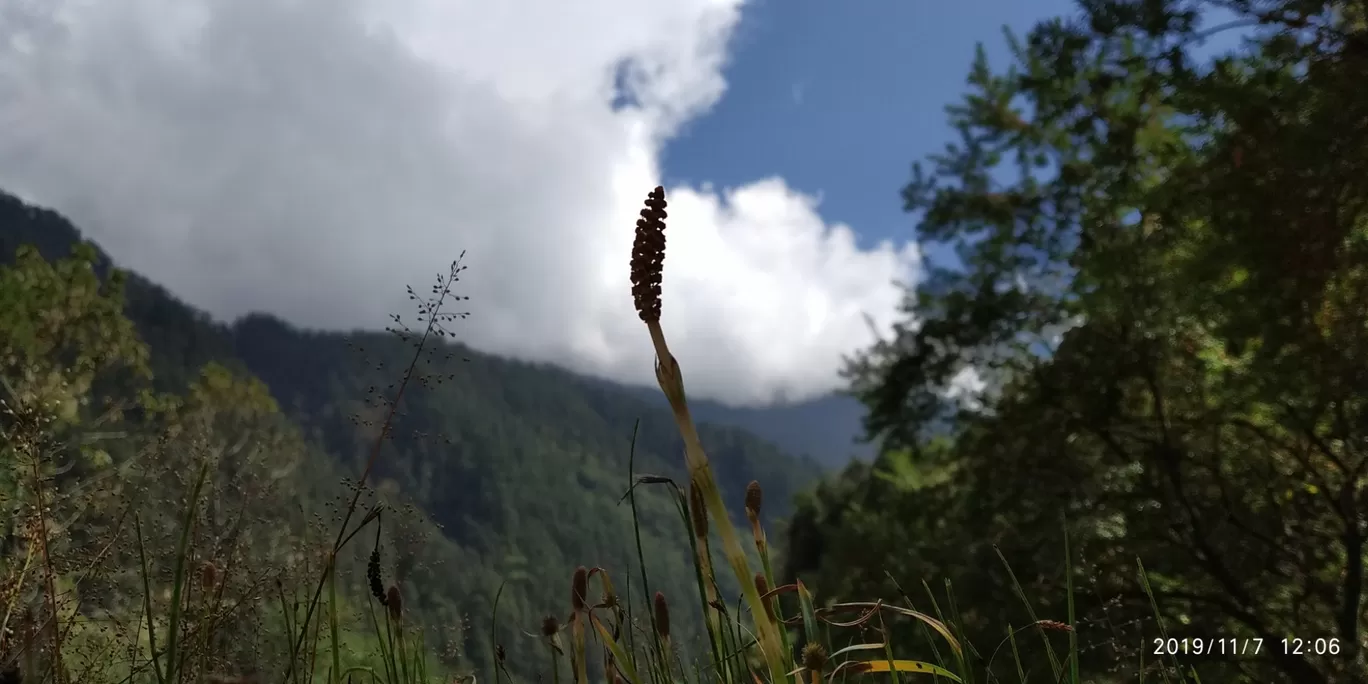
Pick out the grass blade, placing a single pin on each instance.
(178, 577)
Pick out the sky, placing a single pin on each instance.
(840, 97)
(311, 158)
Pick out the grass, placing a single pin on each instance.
(773, 631)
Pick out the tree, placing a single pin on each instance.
(1164, 265)
(63, 341)
(86, 446)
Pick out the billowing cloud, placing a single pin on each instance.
(310, 158)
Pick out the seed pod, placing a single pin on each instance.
(814, 657)
(395, 603)
(662, 616)
(648, 257)
(579, 589)
(377, 588)
(208, 576)
(762, 587)
(698, 512)
(754, 497)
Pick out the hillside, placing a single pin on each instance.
(828, 429)
(513, 471)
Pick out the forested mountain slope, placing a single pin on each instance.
(829, 428)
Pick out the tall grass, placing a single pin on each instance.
(774, 631)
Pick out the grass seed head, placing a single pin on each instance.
(762, 587)
(662, 616)
(579, 589)
(754, 497)
(208, 576)
(648, 257)
(377, 588)
(395, 603)
(814, 656)
(698, 512)
(550, 625)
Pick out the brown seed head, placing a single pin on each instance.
(208, 576)
(1054, 625)
(754, 497)
(698, 512)
(579, 589)
(648, 257)
(550, 625)
(762, 587)
(394, 602)
(662, 616)
(814, 656)
(377, 588)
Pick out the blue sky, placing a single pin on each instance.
(840, 98)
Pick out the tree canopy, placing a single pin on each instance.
(1163, 263)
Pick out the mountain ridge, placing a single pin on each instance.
(827, 430)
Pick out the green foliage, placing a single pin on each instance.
(1162, 286)
(61, 328)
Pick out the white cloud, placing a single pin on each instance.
(311, 157)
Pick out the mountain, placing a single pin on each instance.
(828, 429)
(498, 471)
